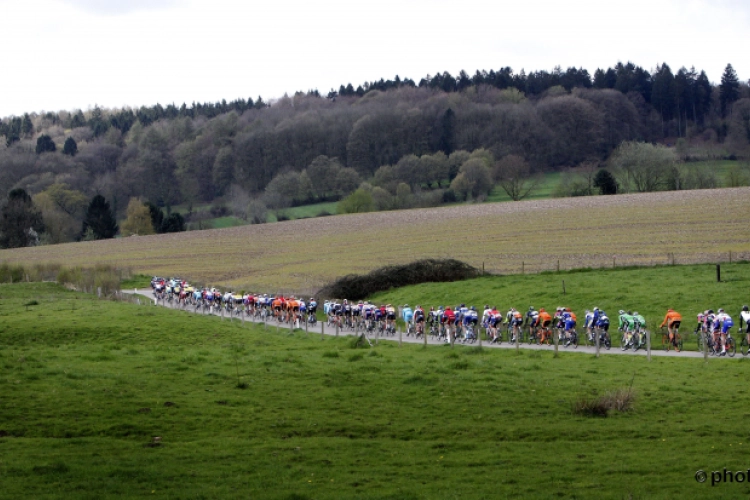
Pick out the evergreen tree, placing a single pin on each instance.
(45, 144)
(70, 147)
(27, 128)
(99, 220)
(20, 221)
(447, 132)
(606, 182)
(663, 93)
(157, 216)
(729, 90)
(97, 123)
(175, 223)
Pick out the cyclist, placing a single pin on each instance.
(407, 315)
(723, 323)
(588, 323)
(494, 320)
(545, 321)
(419, 318)
(447, 320)
(745, 316)
(515, 319)
(602, 323)
(639, 323)
(532, 321)
(570, 325)
(626, 324)
(470, 320)
(390, 317)
(672, 321)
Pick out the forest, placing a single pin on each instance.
(382, 145)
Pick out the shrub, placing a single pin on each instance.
(356, 287)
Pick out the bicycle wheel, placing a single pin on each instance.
(679, 342)
(574, 339)
(743, 347)
(731, 347)
(607, 341)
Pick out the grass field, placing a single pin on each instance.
(695, 226)
(86, 385)
(650, 291)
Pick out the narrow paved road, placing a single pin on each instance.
(320, 329)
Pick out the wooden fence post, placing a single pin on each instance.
(718, 273)
(596, 334)
(705, 346)
(322, 330)
(518, 347)
(399, 336)
(556, 338)
(648, 344)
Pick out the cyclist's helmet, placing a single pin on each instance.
(432, 308)
(721, 310)
(541, 310)
(473, 308)
(630, 313)
(635, 313)
(596, 309)
(744, 308)
(531, 308)
(463, 305)
(710, 311)
(418, 306)
(622, 312)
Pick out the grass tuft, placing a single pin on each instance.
(599, 406)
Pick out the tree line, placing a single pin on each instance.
(256, 156)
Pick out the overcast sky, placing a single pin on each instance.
(70, 54)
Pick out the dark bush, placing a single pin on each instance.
(280, 218)
(356, 287)
(449, 196)
(219, 210)
(324, 213)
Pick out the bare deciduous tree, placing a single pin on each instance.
(513, 174)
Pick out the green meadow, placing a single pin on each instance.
(242, 411)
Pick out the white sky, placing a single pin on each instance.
(69, 54)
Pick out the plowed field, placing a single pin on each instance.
(637, 229)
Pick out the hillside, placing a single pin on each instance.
(532, 236)
(109, 400)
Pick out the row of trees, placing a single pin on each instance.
(59, 214)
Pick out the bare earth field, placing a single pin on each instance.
(301, 255)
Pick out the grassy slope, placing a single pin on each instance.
(321, 420)
(697, 226)
(650, 291)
